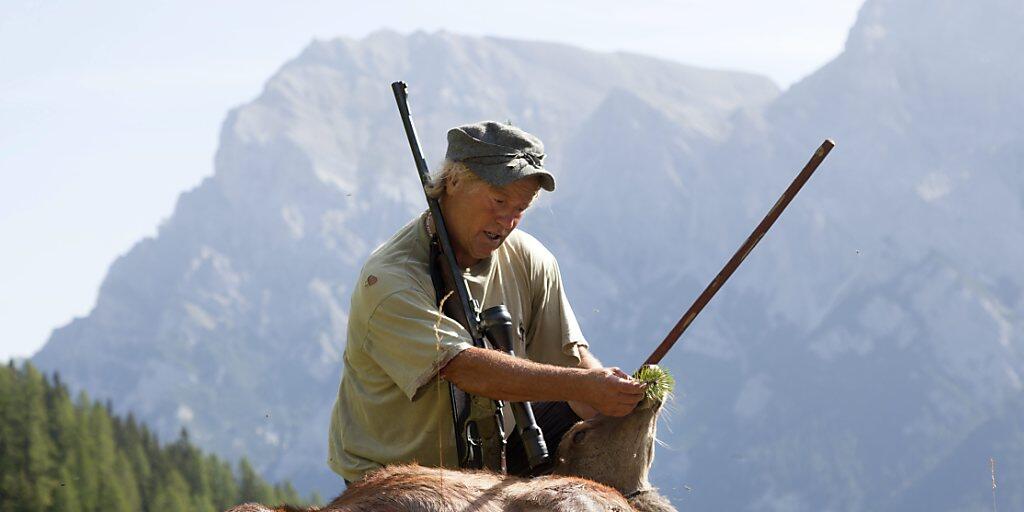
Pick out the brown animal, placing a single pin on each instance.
(602, 465)
(618, 452)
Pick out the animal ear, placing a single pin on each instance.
(578, 437)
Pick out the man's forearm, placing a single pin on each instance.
(500, 376)
(587, 360)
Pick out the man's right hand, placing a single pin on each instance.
(500, 376)
(612, 392)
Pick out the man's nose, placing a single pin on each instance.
(509, 220)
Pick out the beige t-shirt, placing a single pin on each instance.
(392, 407)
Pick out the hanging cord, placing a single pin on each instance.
(437, 352)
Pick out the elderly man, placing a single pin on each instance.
(391, 405)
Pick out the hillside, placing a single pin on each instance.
(76, 455)
(867, 355)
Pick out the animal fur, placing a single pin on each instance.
(415, 488)
(618, 452)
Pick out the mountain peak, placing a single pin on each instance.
(239, 305)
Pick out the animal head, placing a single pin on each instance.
(614, 451)
(618, 451)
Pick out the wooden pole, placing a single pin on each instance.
(741, 254)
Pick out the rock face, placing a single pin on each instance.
(231, 322)
(865, 357)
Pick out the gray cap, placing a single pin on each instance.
(499, 153)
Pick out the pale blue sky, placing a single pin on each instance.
(111, 109)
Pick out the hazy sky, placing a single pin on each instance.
(111, 109)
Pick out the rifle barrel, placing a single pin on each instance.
(461, 291)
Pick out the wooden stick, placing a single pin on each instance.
(741, 254)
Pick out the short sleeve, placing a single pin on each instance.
(555, 335)
(411, 341)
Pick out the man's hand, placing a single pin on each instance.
(500, 376)
(586, 410)
(612, 392)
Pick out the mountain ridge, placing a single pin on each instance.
(837, 369)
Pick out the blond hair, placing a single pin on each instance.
(457, 172)
(450, 172)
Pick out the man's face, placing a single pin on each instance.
(480, 216)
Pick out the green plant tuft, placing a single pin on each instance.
(659, 382)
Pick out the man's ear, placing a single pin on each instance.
(448, 190)
(460, 183)
(454, 182)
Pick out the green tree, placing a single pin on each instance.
(188, 459)
(172, 495)
(66, 499)
(34, 452)
(315, 499)
(125, 482)
(9, 437)
(139, 466)
(223, 487)
(77, 456)
(251, 486)
(286, 493)
(63, 428)
(86, 470)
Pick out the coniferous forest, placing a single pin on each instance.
(75, 455)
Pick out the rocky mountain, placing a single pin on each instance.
(231, 321)
(867, 356)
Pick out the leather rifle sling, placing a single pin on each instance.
(460, 399)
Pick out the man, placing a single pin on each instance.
(392, 406)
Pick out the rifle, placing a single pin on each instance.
(494, 324)
(741, 253)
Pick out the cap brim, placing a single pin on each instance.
(500, 175)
